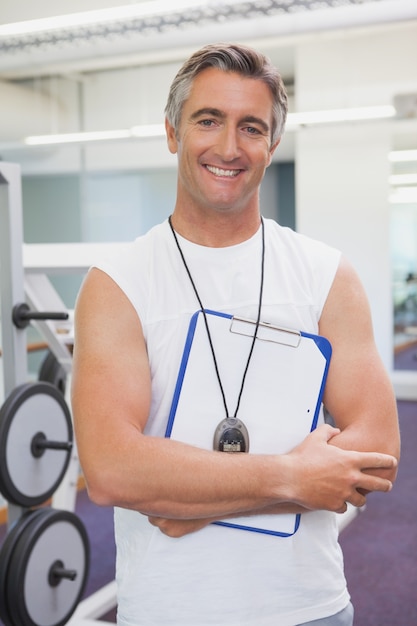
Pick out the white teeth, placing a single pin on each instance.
(219, 172)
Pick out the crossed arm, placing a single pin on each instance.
(182, 488)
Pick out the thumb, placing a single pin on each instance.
(326, 432)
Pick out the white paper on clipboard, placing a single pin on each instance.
(281, 399)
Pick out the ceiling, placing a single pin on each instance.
(159, 31)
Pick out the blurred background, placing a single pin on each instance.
(83, 86)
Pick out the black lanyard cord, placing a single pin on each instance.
(207, 325)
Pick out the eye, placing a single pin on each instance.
(251, 130)
(206, 123)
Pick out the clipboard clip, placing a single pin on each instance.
(266, 332)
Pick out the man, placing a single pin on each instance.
(225, 116)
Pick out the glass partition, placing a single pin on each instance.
(403, 202)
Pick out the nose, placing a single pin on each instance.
(228, 143)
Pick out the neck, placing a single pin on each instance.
(216, 231)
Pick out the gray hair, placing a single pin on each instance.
(229, 58)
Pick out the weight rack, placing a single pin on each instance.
(15, 314)
(26, 297)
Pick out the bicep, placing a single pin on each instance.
(111, 380)
(358, 392)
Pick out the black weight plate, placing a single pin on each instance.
(51, 371)
(27, 480)
(52, 536)
(6, 554)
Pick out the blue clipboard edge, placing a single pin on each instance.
(184, 363)
(325, 348)
(263, 531)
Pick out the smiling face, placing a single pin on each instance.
(223, 143)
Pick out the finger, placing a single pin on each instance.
(342, 509)
(381, 461)
(357, 499)
(374, 483)
(326, 432)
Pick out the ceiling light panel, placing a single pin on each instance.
(147, 18)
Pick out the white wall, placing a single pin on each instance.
(342, 199)
(342, 171)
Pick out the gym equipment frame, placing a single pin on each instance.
(53, 538)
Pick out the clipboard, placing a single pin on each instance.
(281, 400)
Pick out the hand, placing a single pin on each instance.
(177, 528)
(327, 477)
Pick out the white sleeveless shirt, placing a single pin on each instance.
(223, 576)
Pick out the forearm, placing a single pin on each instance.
(162, 477)
(176, 528)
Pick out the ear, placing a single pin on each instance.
(272, 149)
(171, 137)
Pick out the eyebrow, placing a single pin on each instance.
(248, 119)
